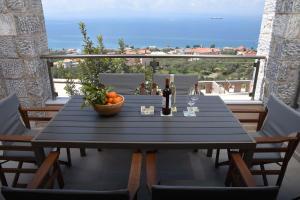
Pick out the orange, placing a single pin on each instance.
(109, 104)
(110, 100)
(111, 94)
(118, 99)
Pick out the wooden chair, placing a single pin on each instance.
(125, 83)
(183, 82)
(273, 137)
(50, 171)
(16, 136)
(173, 190)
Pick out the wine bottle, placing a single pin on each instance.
(166, 99)
(173, 89)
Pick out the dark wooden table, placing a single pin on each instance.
(214, 127)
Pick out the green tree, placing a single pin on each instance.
(89, 69)
(187, 46)
(212, 46)
(122, 45)
(101, 45)
(88, 44)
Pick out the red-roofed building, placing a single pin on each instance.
(134, 61)
(241, 48)
(247, 53)
(199, 51)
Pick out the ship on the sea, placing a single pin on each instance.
(216, 18)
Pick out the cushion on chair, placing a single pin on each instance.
(55, 194)
(281, 119)
(161, 192)
(29, 155)
(10, 122)
(125, 83)
(185, 183)
(183, 82)
(266, 156)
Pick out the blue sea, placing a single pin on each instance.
(229, 31)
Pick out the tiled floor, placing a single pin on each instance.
(109, 169)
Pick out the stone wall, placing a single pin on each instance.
(280, 42)
(22, 40)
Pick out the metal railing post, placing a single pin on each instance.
(154, 64)
(53, 93)
(256, 66)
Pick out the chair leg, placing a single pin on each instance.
(217, 158)
(2, 177)
(17, 175)
(264, 176)
(281, 175)
(68, 163)
(60, 178)
(69, 157)
(82, 152)
(99, 149)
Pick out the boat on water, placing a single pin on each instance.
(216, 18)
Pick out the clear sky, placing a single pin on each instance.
(93, 9)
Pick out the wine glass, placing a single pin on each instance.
(192, 99)
(193, 94)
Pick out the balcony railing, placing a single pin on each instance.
(159, 63)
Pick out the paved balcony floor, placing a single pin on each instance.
(109, 169)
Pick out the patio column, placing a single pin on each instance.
(22, 40)
(280, 41)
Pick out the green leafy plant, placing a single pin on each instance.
(89, 70)
(94, 94)
(70, 87)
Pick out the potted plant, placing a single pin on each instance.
(95, 94)
(105, 101)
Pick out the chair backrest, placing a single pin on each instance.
(10, 121)
(281, 119)
(183, 82)
(123, 83)
(213, 193)
(57, 194)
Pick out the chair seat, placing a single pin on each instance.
(266, 156)
(26, 155)
(188, 183)
(58, 194)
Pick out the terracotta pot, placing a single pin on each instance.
(109, 110)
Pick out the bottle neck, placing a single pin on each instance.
(167, 83)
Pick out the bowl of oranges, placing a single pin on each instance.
(113, 104)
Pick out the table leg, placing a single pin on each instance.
(248, 156)
(209, 153)
(39, 154)
(82, 152)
